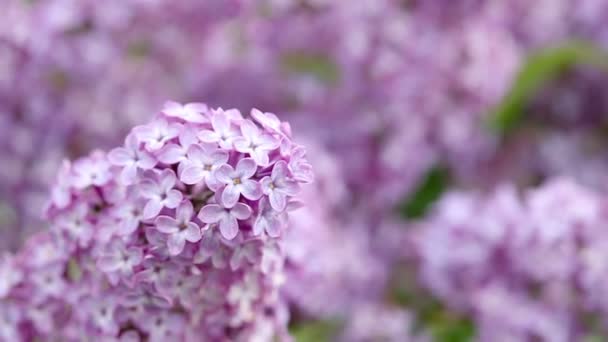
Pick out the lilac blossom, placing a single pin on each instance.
(226, 218)
(191, 112)
(160, 194)
(111, 268)
(201, 161)
(179, 229)
(131, 158)
(255, 143)
(237, 181)
(278, 186)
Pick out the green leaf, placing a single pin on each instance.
(431, 188)
(316, 65)
(541, 68)
(448, 330)
(316, 331)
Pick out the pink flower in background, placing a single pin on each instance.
(237, 181)
(179, 229)
(226, 217)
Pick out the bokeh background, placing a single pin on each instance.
(459, 146)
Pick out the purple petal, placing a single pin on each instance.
(242, 145)
(192, 174)
(151, 209)
(187, 137)
(108, 263)
(166, 224)
(269, 142)
(148, 189)
(266, 183)
(175, 244)
(277, 201)
(249, 130)
(224, 173)
(230, 195)
(174, 197)
(167, 179)
(220, 122)
(146, 161)
(120, 156)
(273, 227)
(246, 168)
(211, 213)
(260, 225)
(251, 189)
(184, 211)
(290, 188)
(193, 233)
(219, 157)
(261, 157)
(241, 211)
(128, 175)
(229, 227)
(208, 136)
(280, 170)
(171, 154)
(196, 153)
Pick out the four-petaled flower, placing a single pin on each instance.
(191, 112)
(160, 194)
(255, 143)
(201, 161)
(278, 186)
(226, 217)
(118, 259)
(180, 229)
(175, 153)
(223, 133)
(156, 134)
(92, 171)
(131, 158)
(268, 220)
(237, 181)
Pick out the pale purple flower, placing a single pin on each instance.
(255, 142)
(223, 133)
(237, 181)
(211, 247)
(190, 112)
(160, 194)
(299, 165)
(10, 275)
(202, 161)
(131, 158)
(268, 220)
(76, 224)
(49, 280)
(102, 314)
(227, 218)
(61, 193)
(156, 134)
(267, 120)
(93, 171)
(130, 214)
(118, 260)
(175, 153)
(180, 229)
(278, 186)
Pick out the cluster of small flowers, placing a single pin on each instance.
(176, 235)
(531, 266)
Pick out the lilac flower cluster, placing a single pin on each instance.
(176, 235)
(529, 266)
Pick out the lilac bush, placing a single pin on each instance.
(149, 257)
(525, 266)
